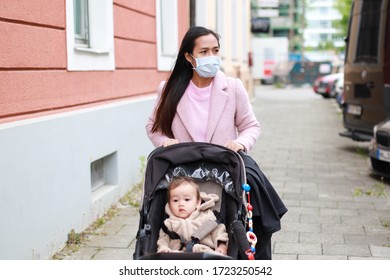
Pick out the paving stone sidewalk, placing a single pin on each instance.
(337, 208)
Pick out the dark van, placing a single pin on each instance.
(367, 69)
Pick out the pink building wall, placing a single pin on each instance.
(34, 79)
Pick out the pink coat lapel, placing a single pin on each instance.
(185, 119)
(219, 97)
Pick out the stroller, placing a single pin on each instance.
(218, 170)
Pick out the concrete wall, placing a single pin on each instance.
(45, 163)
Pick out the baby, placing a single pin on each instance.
(187, 214)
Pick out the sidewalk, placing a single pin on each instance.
(337, 208)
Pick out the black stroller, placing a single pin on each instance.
(220, 171)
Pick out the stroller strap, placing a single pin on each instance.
(205, 229)
(174, 235)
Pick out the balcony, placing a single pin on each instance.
(281, 22)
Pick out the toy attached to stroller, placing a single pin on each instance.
(218, 170)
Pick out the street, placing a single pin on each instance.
(337, 208)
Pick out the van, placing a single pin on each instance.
(366, 69)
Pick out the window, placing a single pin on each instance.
(337, 37)
(284, 10)
(90, 35)
(324, 37)
(104, 172)
(325, 23)
(323, 10)
(167, 33)
(368, 40)
(81, 31)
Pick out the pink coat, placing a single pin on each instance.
(231, 116)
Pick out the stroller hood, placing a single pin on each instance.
(202, 161)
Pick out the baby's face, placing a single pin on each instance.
(183, 200)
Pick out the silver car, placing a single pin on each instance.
(379, 149)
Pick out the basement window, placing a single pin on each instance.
(104, 171)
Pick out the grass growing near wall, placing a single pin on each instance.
(75, 239)
(133, 197)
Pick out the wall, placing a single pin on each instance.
(45, 168)
(33, 73)
(54, 123)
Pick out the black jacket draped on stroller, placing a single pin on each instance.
(220, 171)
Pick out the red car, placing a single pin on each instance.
(325, 85)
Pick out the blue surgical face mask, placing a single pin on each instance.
(207, 66)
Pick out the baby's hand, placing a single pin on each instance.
(222, 248)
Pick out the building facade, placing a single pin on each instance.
(286, 19)
(78, 82)
(231, 20)
(320, 27)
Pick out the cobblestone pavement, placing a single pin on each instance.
(337, 208)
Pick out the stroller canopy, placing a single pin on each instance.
(204, 161)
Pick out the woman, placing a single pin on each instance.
(199, 103)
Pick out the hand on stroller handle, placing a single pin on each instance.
(232, 145)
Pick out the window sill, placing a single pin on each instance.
(89, 50)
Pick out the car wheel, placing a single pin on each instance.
(332, 93)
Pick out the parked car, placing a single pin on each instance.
(339, 89)
(325, 85)
(379, 149)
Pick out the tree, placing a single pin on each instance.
(344, 8)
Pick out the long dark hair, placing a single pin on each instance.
(178, 81)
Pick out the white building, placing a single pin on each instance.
(320, 28)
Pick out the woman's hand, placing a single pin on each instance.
(170, 142)
(234, 146)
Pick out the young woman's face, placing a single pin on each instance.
(183, 200)
(204, 46)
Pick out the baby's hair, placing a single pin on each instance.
(175, 182)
